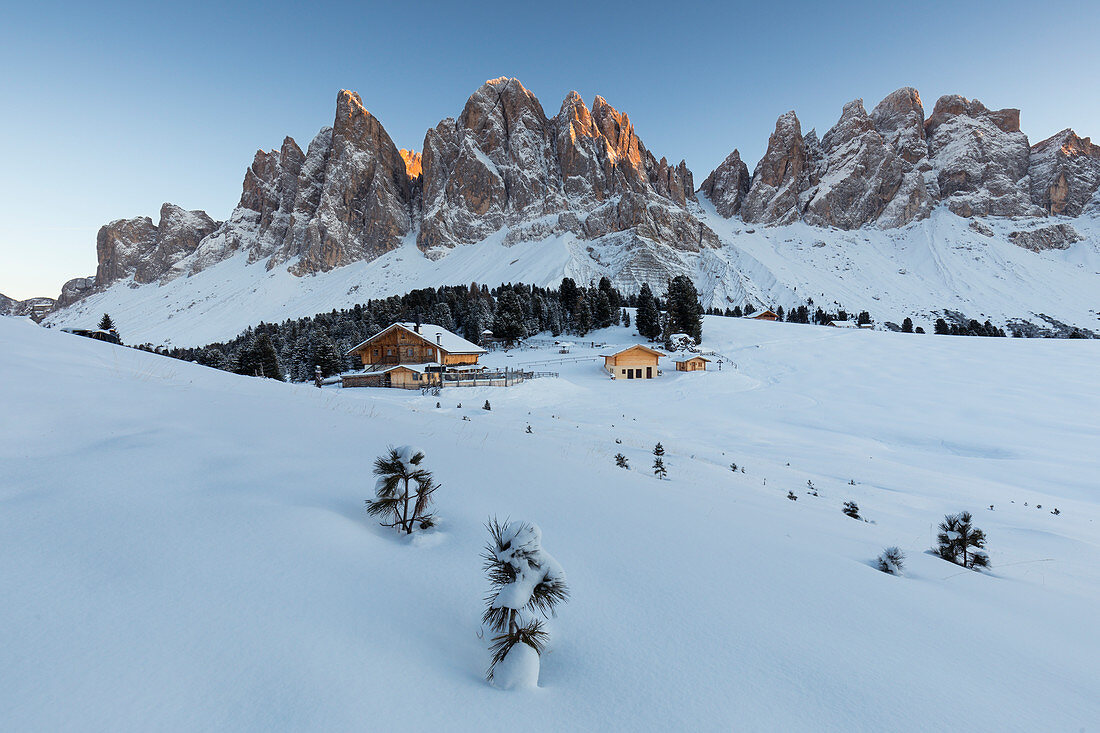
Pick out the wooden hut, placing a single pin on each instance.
(692, 364)
(634, 362)
(411, 355)
(766, 315)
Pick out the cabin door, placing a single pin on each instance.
(649, 372)
(630, 374)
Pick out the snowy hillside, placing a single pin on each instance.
(186, 549)
(918, 271)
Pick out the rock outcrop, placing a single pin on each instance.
(861, 173)
(779, 179)
(1065, 173)
(137, 248)
(75, 289)
(899, 118)
(33, 308)
(1056, 236)
(980, 158)
(727, 185)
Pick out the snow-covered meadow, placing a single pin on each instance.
(187, 549)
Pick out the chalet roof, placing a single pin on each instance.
(763, 314)
(658, 354)
(844, 324)
(693, 357)
(435, 335)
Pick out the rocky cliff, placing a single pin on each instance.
(893, 166)
(503, 167)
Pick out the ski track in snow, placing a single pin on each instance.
(186, 549)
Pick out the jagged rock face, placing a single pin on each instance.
(75, 289)
(980, 157)
(120, 247)
(177, 235)
(899, 118)
(492, 168)
(778, 179)
(1065, 173)
(364, 205)
(1057, 236)
(505, 164)
(727, 185)
(861, 173)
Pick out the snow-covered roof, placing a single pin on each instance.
(659, 354)
(691, 357)
(450, 342)
(844, 324)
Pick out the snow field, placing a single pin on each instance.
(186, 549)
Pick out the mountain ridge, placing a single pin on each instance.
(504, 169)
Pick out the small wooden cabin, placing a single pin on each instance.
(410, 343)
(634, 362)
(692, 364)
(410, 356)
(765, 316)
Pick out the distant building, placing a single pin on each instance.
(692, 364)
(843, 324)
(410, 356)
(764, 316)
(634, 362)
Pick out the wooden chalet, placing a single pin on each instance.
(692, 364)
(766, 315)
(634, 362)
(411, 355)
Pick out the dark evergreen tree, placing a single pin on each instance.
(941, 327)
(582, 316)
(648, 317)
(625, 318)
(685, 313)
(907, 325)
(956, 537)
(620, 461)
(851, 509)
(105, 323)
(509, 322)
(486, 406)
(864, 318)
(325, 356)
(659, 469)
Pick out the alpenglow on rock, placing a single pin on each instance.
(504, 169)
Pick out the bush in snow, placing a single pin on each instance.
(891, 561)
(403, 490)
(620, 461)
(733, 467)
(956, 538)
(809, 487)
(526, 583)
(486, 406)
(792, 496)
(851, 509)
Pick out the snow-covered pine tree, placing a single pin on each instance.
(529, 430)
(891, 561)
(486, 406)
(403, 490)
(810, 489)
(851, 509)
(620, 461)
(956, 537)
(525, 583)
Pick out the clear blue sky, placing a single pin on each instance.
(110, 109)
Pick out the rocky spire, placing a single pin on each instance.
(727, 185)
(778, 178)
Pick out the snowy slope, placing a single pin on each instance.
(185, 549)
(917, 271)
